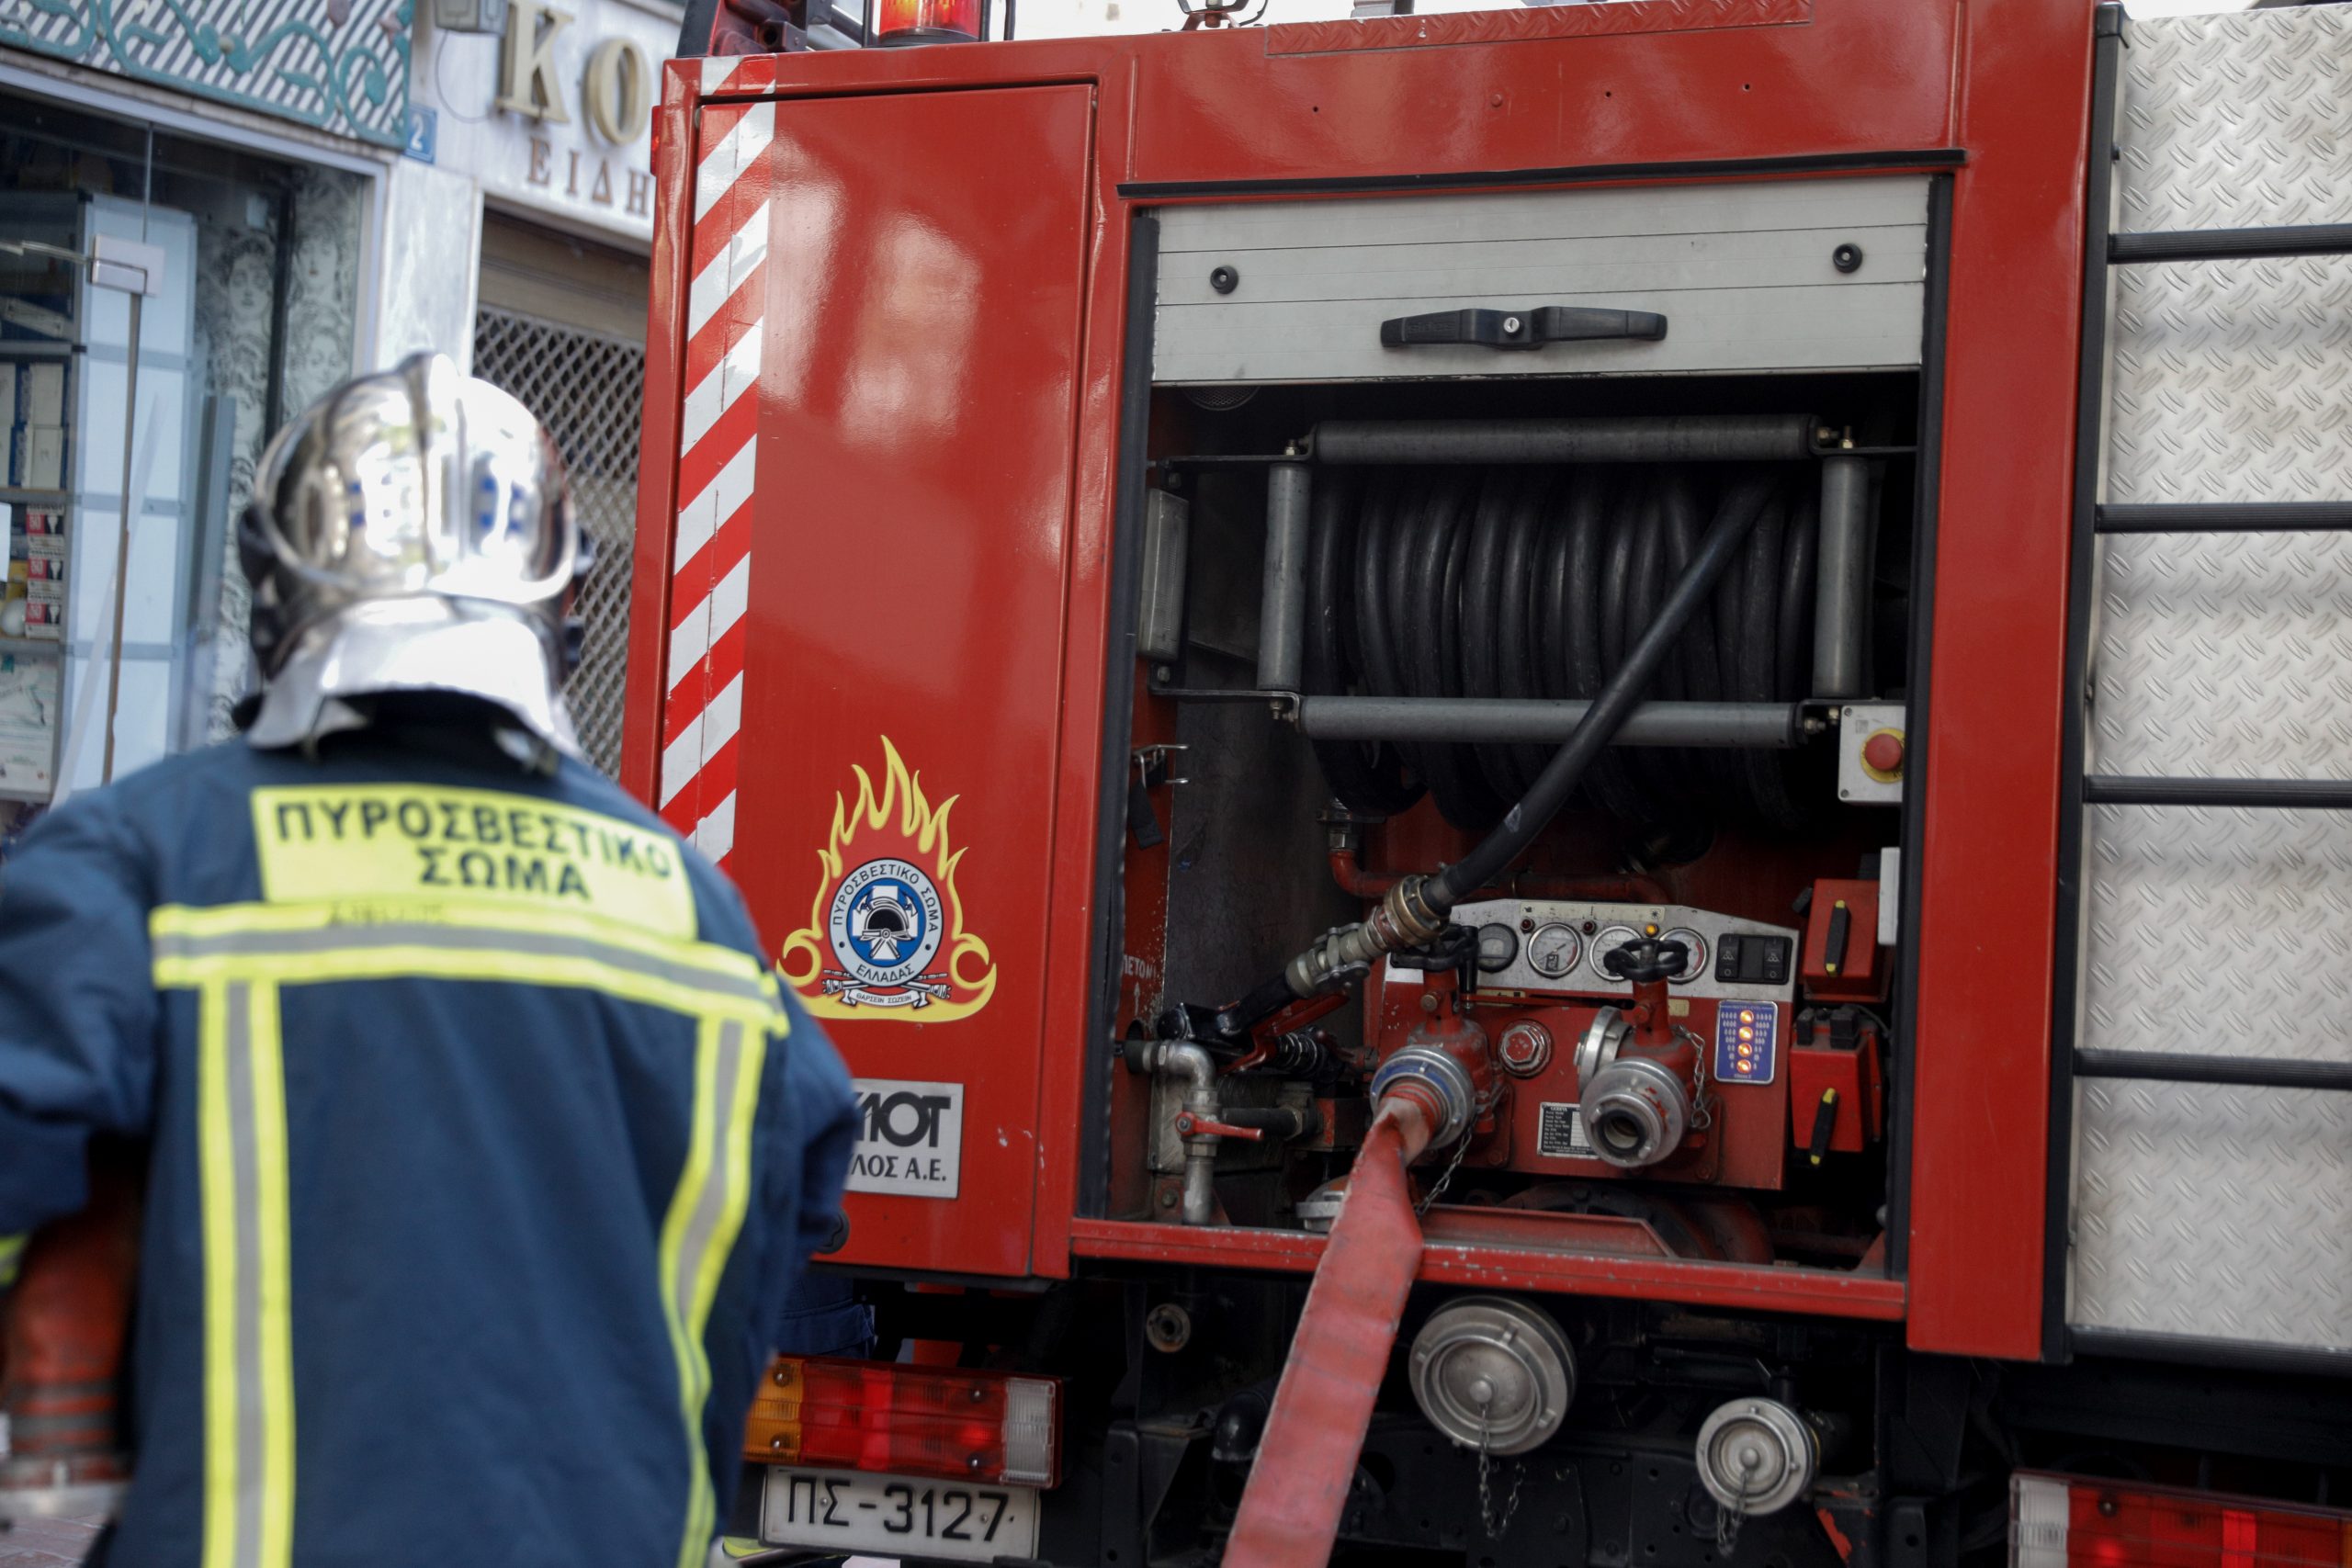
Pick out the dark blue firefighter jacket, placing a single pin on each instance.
(485, 1152)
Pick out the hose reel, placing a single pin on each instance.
(1532, 582)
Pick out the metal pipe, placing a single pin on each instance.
(1281, 616)
(1177, 1059)
(1842, 580)
(1200, 1180)
(1673, 438)
(1766, 725)
(1284, 1122)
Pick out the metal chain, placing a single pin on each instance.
(1702, 1112)
(1452, 1164)
(1495, 1526)
(1728, 1521)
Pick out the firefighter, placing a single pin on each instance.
(483, 1152)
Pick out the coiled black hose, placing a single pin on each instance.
(1374, 777)
(1737, 519)
(1523, 581)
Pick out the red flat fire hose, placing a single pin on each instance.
(1298, 1487)
(62, 1340)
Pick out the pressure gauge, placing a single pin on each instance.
(1697, 947)
(1551, 951)
(1609, 940)
(1498, 948)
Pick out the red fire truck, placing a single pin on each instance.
(1569, 779)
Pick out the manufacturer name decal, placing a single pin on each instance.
(885, 935)
(909, 1137)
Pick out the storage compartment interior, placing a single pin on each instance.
(1742, 832)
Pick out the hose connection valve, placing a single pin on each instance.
(1637, 1072)
(1447, 1071)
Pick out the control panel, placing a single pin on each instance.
(1563, 947)
(1555, 1015)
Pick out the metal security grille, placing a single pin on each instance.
(589, 391)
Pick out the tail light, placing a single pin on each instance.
(2058, 1521)
(904, 1420)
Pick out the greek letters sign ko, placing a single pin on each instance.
(618, 90)
(909, 1138)
(417, 845)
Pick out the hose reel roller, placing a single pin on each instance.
(1532, 584)
(1446, 595)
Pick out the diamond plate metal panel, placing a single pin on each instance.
(2231, 381)
(2238, 120)
(2225, 655)
(2215, 1211)
(2224, 933)
(2220, 933)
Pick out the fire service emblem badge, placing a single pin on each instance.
(885, 929)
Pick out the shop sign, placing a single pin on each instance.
(559, 117)
(341, 67)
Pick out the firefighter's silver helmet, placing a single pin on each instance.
(412, 531)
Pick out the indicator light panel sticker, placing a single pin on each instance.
(1746, 1043)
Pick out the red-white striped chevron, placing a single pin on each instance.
(730, 76)
(711, 549)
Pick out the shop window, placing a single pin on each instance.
(255, 318)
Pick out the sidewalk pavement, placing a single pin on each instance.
(48, 1543)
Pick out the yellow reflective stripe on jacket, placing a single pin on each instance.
(248, 1289)
(329, 923)
(306, 944)
(699, 1233)
(11, 1253)
(355, 914)
(237, 956)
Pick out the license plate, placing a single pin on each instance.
(847, 1510)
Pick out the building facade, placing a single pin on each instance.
(239, 149)
(531, 155)
(321, 187)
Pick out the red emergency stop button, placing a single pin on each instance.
(1882, 753)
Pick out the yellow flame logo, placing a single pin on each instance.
(889, 853)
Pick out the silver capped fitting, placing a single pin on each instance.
(1756, 1456)
(1493, 1374)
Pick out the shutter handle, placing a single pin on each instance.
(1522, 329)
